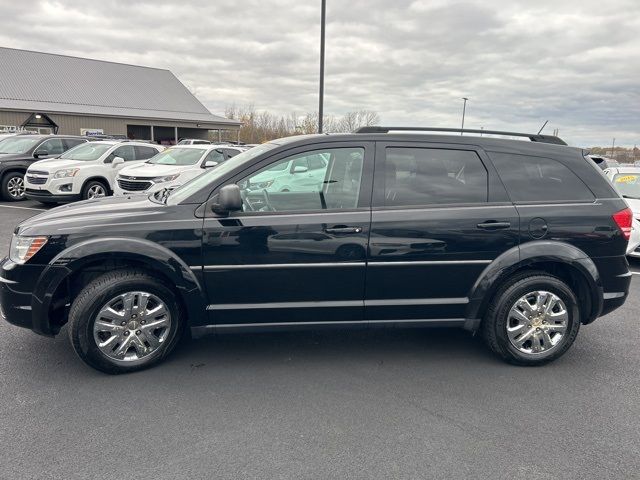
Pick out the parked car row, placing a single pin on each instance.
(62, 169)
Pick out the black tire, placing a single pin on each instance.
(86, 188)
(94, 296)
(494, 324)
(6, 188)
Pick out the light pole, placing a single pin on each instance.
(321, 100)
(464, 109)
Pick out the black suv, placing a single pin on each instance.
(20, 151)
(521, 241)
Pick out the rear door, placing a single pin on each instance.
(294, 255)
(440, 216)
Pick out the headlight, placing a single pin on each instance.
(67, 172)
(23, 248)
(168, 178)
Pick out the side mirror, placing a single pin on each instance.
(300, 169)
(229, 200)
(41, 152)
(209, 164)
(117, 161)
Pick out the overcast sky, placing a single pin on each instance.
(573, 62)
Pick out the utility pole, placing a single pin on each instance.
(321, 100)
(613, 146)
(464, 109)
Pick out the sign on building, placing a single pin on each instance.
(91, 131)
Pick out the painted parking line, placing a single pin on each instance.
(24, 208)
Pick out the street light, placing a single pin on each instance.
(464, 109)
(321, 100)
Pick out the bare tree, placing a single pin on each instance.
(259, 127)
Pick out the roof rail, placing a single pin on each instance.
(534, 137)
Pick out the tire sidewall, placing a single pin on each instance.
(5, 186)
(91, 183)
(81, 328)
(508, 299)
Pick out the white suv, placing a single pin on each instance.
(86, 171)
(172, 168)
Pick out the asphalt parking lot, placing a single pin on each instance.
(379, 404)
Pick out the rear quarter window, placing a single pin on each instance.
(539, 179)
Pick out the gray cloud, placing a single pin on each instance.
(573, 62)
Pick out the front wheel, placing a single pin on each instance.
(94, 189)
(124, 321)
(13, 186)
(532, 320)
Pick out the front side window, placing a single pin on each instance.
(145, 152)
(178, 156)
(214, 156)
(429, 176)
(301, 182)
(537, 179)
(53, 146)
(126, 152)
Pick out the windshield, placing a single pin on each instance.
(628, 184)
(17, 144)
(178, 156)
(86, 151)
(210, 176)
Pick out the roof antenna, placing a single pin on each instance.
(542, 127)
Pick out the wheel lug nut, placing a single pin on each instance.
(123, 323)
(133, 316)
(126, 334)
(142, 322)
(138, 332)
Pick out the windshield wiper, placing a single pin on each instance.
(629, 196)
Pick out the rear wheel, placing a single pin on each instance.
(532, 320)
(124, 321)
(94, 189)
(12, 186)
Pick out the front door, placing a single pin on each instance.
(297, 251)
(440, 217)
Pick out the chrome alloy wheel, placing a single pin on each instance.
(537, 322)
(15, 187)
(132, 326)
(96, 191)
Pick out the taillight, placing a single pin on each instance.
(623, 219)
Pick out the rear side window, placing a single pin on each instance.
(536, 179)
(429, 176)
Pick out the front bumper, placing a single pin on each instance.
(18, 304)
(46, 196)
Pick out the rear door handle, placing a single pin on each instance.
(493, 225)
(343, 229)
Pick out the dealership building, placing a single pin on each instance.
(78, 96)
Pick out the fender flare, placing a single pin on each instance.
(526, 255)
(151, 254)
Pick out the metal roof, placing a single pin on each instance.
(44, 82)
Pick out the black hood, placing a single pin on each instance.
(8, 157)
(103, 214)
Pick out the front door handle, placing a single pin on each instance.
(343, 229)
(493, 225)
